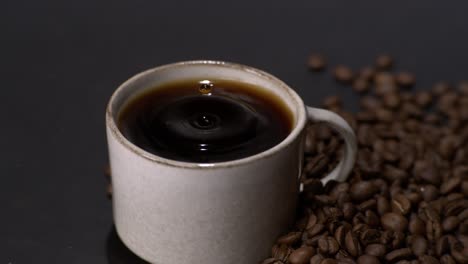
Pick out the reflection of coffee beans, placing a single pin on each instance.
(406, 200)
(205, 121)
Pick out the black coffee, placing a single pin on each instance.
(205, 121)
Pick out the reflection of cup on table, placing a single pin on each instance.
(177, 212)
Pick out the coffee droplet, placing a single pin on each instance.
(206, 87)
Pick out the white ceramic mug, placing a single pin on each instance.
(173, 212)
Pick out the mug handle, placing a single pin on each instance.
(337, 123)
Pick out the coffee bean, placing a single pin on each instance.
(448, 146)
(460, 256)
(316, 62)
(280, 251)
(340, 234)
(398, 254)
(394, 221)
(317, 259)
(377, 250)
(405, 79)
(450, 223)
(429, 192)
(384, 62)
(447, 259)
(329, 261)
(368, 259)
(383, 206)
(428, 259)
(442, 245)
(362, 190)
(352, 244)
(419, 245)
(423, 98)
(315, 230)
(450, 185)
(391, 100)
(367, 205)
(343, 74)
(289, 238)
(272, 261)
(333, 246)
(361, 85)
(323, 246)
(425, 171)
(301, 255)
(440, 88)
(401, 204)
(331, 102)
(416, 225)
(367, 73)
(369, 236)
(463, 215)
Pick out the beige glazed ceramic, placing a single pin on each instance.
(172, 212)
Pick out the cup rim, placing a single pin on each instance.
(296, 131)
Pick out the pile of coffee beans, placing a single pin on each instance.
(406, 200)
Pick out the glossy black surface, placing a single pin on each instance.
(61, 60)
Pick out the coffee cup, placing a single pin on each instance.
(175, 212)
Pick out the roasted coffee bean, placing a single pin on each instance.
(440, 88)
(377, 250)
(394, 221)
(447, 259)
(460, 256)
(281, 251)
(367, 205)
(383, 206)
(368, 259)
(442, 245)
(450, 223)
(315, 230)
(416, 225)
(316, 62)
(369, 236)
(361, 85)
(311, 221)
(423, 98)
(405, 79)
(429, 192)
(427, 172)
(331, 102)
(317, 259)
(428, 259)
(301, 255)
(362, 190)
(384, 62)
(367, 73)
(289, 238)
(398, 254)
(352, 244)
(450, 185)
(463, 215)
(419, 245)
(401, 204)
(329, 261)
(343, 74)
(272, 261)
(340, 234)
(391, 100)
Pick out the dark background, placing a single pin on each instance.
(61, 60)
